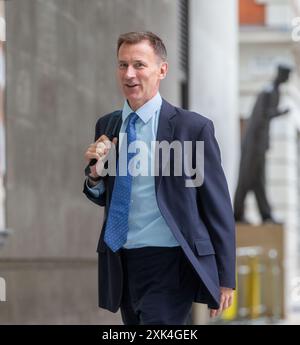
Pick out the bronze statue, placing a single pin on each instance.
(255, 144)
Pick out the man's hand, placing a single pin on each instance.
(99, 150)
(225, 301)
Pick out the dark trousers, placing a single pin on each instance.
(159, 286)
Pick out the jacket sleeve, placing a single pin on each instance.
(215, 208)
(96, 194)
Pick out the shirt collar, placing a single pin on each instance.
(146, 111)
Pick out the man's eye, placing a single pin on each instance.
(122, 65)
(139, 65)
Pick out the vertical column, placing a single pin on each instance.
(213, 74)
(213, 83)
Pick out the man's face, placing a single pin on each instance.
(140, 71)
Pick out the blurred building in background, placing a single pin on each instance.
(266, 40)
(60, 77)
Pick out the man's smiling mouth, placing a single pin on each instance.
(131, 86)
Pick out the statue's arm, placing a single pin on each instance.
(273, 111)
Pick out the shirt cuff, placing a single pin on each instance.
(97, 190)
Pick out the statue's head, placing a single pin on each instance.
(283, 73)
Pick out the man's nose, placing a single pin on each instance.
(130, 72)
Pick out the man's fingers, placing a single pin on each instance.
(92, 155)
(222, 302)
(216, 312)
(103, 143)
(230, 301)
(103, 137)
(100, 145)
(213, 312)
(101, 149)
(107, 143)
(226, 299)
(225, 304)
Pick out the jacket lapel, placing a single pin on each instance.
(165, 132)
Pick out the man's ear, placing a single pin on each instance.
(163, 70)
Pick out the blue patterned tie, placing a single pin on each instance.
(117, 222)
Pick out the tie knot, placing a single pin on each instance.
(133, 117)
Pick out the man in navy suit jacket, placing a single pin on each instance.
(181, 239)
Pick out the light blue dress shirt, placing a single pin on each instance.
(147, 227)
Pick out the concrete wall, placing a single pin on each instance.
(60, 78)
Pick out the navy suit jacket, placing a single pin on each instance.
(201, 218)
